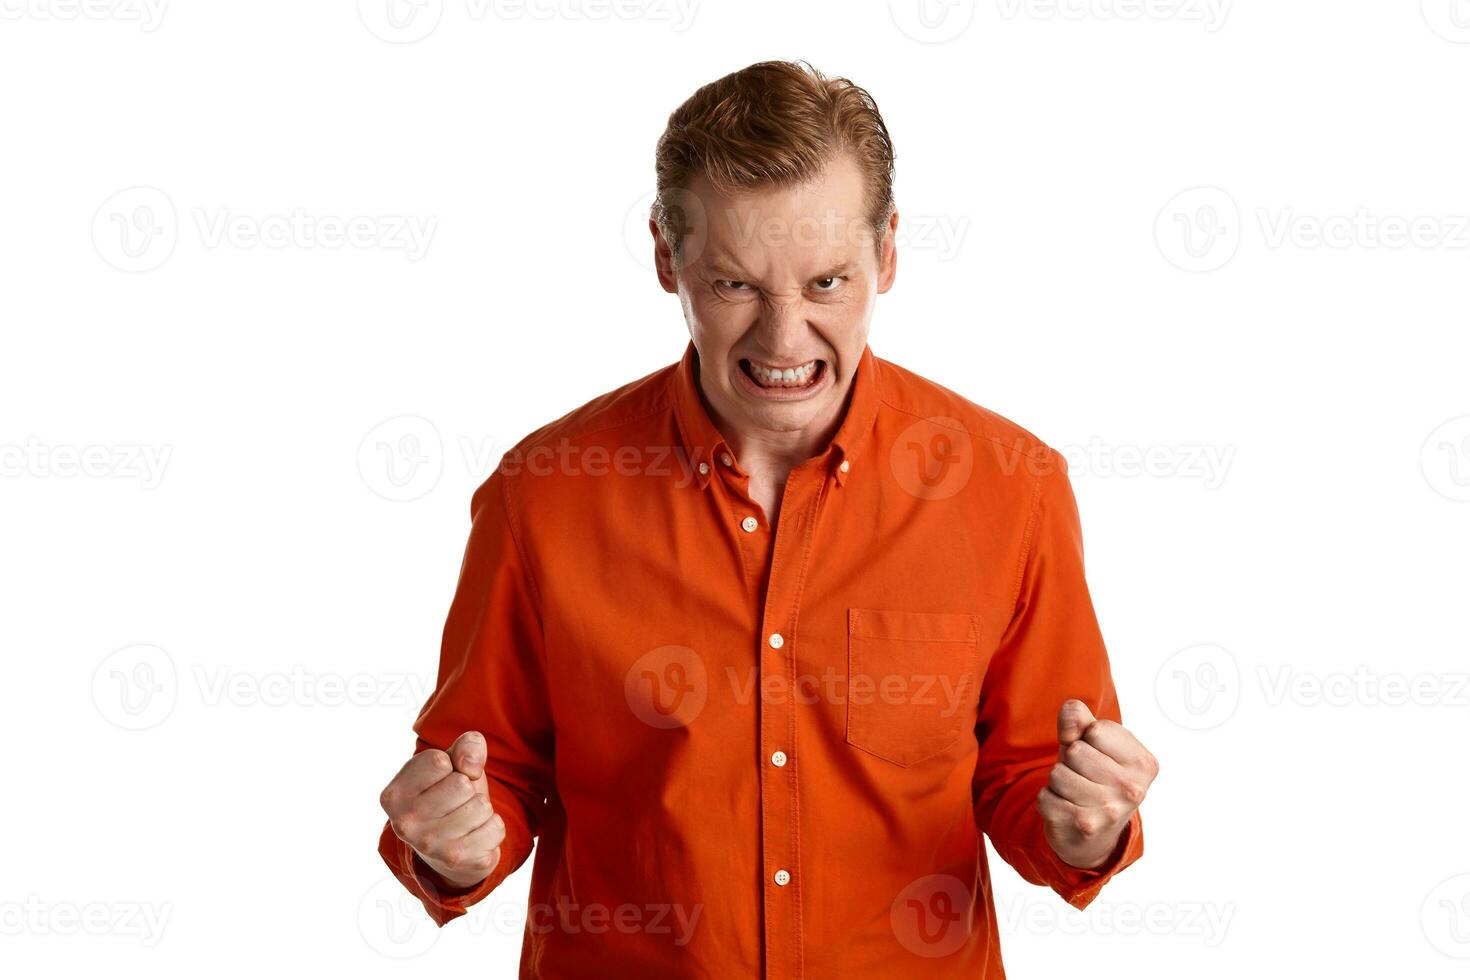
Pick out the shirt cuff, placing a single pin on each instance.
(1079, 886)
(442, 902)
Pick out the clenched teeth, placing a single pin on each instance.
(791, 377)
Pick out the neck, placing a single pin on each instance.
(777, 450)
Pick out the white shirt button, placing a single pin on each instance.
(783, 877)
(776, 641)
(703, 468)
(725, 458)
(844, 466)
(778, 758)
(750, 524)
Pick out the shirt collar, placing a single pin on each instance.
(705, 447)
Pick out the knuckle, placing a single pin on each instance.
(1058, 773)
(1076, 752)
(434, 847)
(1086, 823)
(1133, 792)
(407, 828)
(454, 855)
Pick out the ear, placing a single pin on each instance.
(888, 254)
(663, 259)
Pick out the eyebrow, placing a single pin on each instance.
(727, 268)
(724, 269)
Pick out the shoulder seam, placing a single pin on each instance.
(1039, 453)
(1028, 539)
(512, 520)
(662, 406)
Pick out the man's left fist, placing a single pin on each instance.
(1101, 776)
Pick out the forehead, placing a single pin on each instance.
(806, 226)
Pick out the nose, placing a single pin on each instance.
(783, 331)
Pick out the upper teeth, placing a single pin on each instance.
(767, 375)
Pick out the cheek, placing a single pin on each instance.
(844, 321)
(717, 326)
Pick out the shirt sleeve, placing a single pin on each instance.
(492, 680)
(1051, 650)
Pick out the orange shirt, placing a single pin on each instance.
(754, 754)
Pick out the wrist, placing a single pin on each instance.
(444, 882)
(1095, 855)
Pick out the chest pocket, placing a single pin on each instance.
(912, 681)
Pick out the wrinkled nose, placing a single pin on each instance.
(783, 331)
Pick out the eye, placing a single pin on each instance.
(828, 284)
(733, 284)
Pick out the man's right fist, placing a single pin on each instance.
(439, 805)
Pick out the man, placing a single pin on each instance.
(757, 646)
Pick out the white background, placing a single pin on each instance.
(1216, 251)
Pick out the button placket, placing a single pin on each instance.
(778, 644)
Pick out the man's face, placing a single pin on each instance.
(778, 285)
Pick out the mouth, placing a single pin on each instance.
(784, 380)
